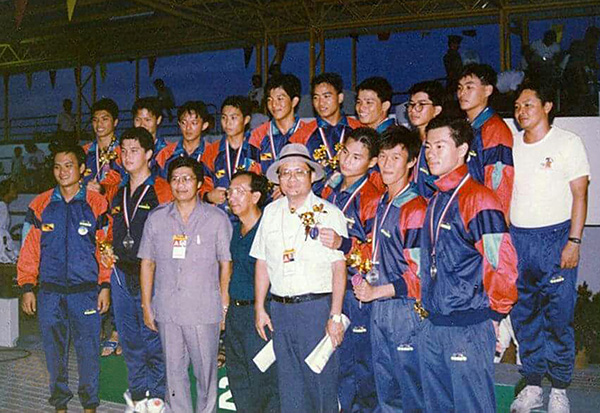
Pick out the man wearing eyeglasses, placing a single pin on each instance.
(253, 391)
(307, 282)
(185, 270)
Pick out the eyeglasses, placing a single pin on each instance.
(296, 173)
(186, 179)
(238, 190)
(417, 106)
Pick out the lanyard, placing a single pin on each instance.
(375, 244)
(352, 196)
(434, 237)
(237, 158)
(329, 155)
(125, 212)
(271, 140)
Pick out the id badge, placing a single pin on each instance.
(179, 247)
(289, 263)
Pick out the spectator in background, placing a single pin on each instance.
(8, 193)
(165, 97)
(453, 62)
(34, 163)
(256, 93)
(65, 121)
(17, 167)
(541, 59)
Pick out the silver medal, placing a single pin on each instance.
(128, 241)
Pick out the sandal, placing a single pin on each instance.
(108, 347)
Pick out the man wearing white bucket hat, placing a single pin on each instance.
(307, 281)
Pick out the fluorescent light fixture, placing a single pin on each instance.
(132, 16)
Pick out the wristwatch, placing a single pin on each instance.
(336, 318)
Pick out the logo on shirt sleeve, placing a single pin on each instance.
(220, 173)
(47, 227)
(267, 156)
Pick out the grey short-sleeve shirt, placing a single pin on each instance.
(186, 291)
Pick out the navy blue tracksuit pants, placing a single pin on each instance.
(142, 349)
(457, 367)
(395, 328)
(253, 391)
(62, 318)
(357, 384)
(543, 316)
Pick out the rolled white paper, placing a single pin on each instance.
(321, 354)
(265, 357)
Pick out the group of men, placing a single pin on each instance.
(425, 239)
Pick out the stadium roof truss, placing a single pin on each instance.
(103, 31)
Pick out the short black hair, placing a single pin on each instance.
(434, 90)
(379, 85)
(368, 137)
(240, 102)
(70, 147)
(485, 73)
(185, 161)
(196, 107)
(288, 82)
(460, 130)
(141, 135)
(150, 103)
(399, 135)
(258, 183)
(108, 105)
(544, 91)
(330, 78)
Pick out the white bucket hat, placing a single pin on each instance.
(296, 152)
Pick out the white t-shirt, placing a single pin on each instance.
(280, 231)
(543, 170)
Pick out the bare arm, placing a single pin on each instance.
(146, 284)
(336, 330)
(225, 270)
(261, 288)
(579, 189)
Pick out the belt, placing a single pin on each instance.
(242, 303)
(296, 299)
(71, 289)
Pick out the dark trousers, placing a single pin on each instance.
(141, 346)
(457, 367)
(252, 390)
(62, 318)
(543, 316)
(357, 384)
(298, 328)
(395, 328)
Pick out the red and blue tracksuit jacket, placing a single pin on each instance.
(173, 151)
(268, 141)
(109, 172)
(383, 126)
(359, 210)
(422, 177)
(474, 256)
(490, 158)
(159, 145)
(61, 242)
(398, 241)
(218, 171)
(322, 141)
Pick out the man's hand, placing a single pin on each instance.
(217, 196)
(149, 318)
(335, 332)
(365, 292)
(107, 258)
(570, 255)
(103, 300)
(93, 185)
(262, 319)
(329, 238)
(28, 303)
(276, 193)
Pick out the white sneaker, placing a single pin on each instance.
(559, 402)
(531, 397)
(155, 405)
(135, 407)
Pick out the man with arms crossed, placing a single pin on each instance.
(548, 214)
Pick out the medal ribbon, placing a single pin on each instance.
(444, 211)
(237, 158)
(324, 140)
(272, 141)
(375, 242)
(125, 212)
(354, 193)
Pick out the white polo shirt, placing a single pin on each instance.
(280, 230)
(543, 170)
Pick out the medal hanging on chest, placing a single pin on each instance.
(128, 241)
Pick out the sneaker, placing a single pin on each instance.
(559, 402)
(155, 405)
(531, 397)
(135, 407)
